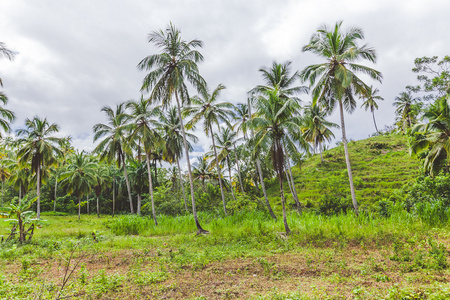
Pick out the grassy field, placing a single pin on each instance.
(245, 256)
(380, 165)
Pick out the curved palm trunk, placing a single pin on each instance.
(229, 174)
(239, 169)
(259, 171)
(321, 151)
(128, 184)
(218, 171)
(191, 182)
(280, 166)
(150, 187)
(347, 159)
(182, 185)
(38, 190)
(294, 190)
(374, 123)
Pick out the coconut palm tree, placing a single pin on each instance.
(241, 116)
(138, 182)
(169, 124)
(101, 179)
(4, 51)
(79, 176)
(6, 116)
(371, 102)
(316, 128)
(335, 81)
(169, 72)
(202, 170)
(114, 146)
(276, 122)
(433, 138)
(226, 139)
(143, 128)
(39, 147)
(405, 109)
(206, 106)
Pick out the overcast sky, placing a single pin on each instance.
(74, 57)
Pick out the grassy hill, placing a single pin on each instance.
(380, 165)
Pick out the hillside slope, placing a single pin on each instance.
(380, 165)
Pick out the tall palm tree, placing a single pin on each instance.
(39, 147)
(371, 102)
(405, 111)
(20, 174)
(137, 177)
(143, 129)
(170, 125)
(169, 72)
(202, 170)
(114, 146)
(206, 106)
(241, 116)
(316, 128)
(335, 81)
(4, 51)
(276, 122)
(6, 116)
(79, 176)
(66, 150)
(101, 179)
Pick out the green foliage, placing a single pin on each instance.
(129, 224)
(243, 203)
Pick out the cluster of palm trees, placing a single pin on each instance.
(272, 126)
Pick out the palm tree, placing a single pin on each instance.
(170, 125)
(79, 176)
(202, 170)
(101, 179)
(144, 122)
(371, 98)
(20, 174)
(137, 175)
(114, 146)
(39, 148)
(258, 164)
(6, 116)
(169, 71)
(66, 150)
(206, 106)
(335, 80)
(276, 122)
(4, 51)
(405, 109)
(433, 138)
(241, 116)
(226, 139)
(316, 128)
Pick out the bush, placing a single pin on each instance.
(434, 213)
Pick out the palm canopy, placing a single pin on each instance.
(406, 110)
(113, 146)
(279, 77)
(316, 128)
(433, 138)
(79, 174)
(241, 116)
(206, 106)
(336, 78)
(172, 67)
(226, 139)
(169, 124)
(38, 144)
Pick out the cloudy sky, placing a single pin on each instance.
(74, 57)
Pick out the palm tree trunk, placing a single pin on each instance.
(98, 208)
(229, 173)
(3, 191)
(87, 204)
(138, 209)
(321, 151)
(259, 170)
(375, 123)
(239, 169)
(79, 207)
(20, 194)
(286, 227)
(191, 182)
(128, 183)
(218, 171)
(347, 159)
(56, 187)
(38, 190)
(294, 190)
(150, 187)
(182, 184)
(114, 193)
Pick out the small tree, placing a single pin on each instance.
(17, 212)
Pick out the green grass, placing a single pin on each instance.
(380, 165)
